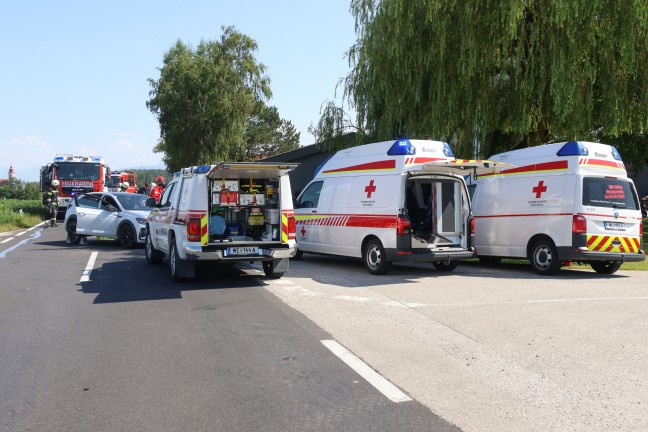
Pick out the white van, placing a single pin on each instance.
(229, 212)
(403, 200)
(563, 202)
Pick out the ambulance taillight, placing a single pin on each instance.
(403, 226)
(193, 230)
(292, 228)
(579, 225)
(472, 225)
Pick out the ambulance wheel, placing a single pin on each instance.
(298, 255)
(606, 267)
(445, 266)
(374, 257)
(175, 263)
(153, 256)
(544, 257)
(72, 237)
(268, 269)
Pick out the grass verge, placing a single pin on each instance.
(19, 214)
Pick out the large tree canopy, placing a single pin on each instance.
(503, 73)
(210, 100)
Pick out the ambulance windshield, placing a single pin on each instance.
(609, 192)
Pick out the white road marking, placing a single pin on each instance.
(85, 276)
(283, 282)
(6, 240)
(352, 298)
(374, 378)
(565, 300)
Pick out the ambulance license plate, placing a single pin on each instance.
(244, 250)
(614, 226)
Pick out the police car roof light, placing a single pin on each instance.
(615, 154)
(573, 148)
(402, 147)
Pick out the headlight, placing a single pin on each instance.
(141, 221)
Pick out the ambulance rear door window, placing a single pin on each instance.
(609, 192)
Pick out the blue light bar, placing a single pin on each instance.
(59, 158)
(615, 154)
(402, 147)
(96, 158)
(447, 150)
(573, 148)
(203, 169)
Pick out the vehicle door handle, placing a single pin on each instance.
(313, 211)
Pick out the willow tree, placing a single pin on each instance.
(503, 74)
(205, 99)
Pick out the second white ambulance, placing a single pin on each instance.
(403, 200)
(563, 202)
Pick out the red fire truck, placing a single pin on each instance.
(118, 177)
(76, 175)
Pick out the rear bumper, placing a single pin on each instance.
(395, 255)
(210, 253)
(570, 254)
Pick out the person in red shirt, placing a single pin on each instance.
(157, 189)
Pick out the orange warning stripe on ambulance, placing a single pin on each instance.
(603, 243)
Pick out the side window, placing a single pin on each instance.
(168, 195)
(108, 200)
(88, 201)
(310, 197)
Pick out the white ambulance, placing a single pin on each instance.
(229, 212)
(563, 202)
(403, 200)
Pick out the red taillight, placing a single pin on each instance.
(193, 230)
(292, 228)
(579, 225)
(640, 229)
(403, 226)
(472, 226)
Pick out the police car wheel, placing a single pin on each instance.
(126, 235)
(374, 258)
(73, 237)
(544, 257)
(606, 267)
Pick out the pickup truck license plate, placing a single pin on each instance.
(614, 226)
(244, 250)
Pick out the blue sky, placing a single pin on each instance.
(73, 74)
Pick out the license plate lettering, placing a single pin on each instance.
(614, 226)
(243, 250)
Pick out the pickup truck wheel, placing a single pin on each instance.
(374, 257)
(606, 267)
(126, 235)
(445, 266)
(72, 236)
(544, 258)
(153, 256)
(268, 269)
(298, 255)
(174, 262)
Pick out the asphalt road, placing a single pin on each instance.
(127, 350)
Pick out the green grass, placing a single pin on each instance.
(33, 212)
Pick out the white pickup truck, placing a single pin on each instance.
(229, 212)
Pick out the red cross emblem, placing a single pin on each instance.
(303, 231)
(370, 189)
(539, 189)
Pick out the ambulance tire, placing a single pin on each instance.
(374, 258)
(445, 266)
(179, 269)
(606, 267)
(544, 257)
(268, 269)
(153, 256)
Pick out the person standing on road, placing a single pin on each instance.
(50, 200)
(158, 189)
(144, 190)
